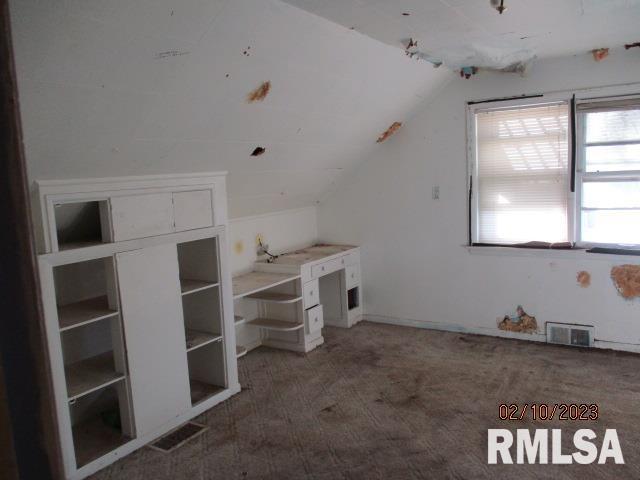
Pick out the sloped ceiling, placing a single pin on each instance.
(120, 87)
(471, 33)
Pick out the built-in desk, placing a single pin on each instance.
(292, 297)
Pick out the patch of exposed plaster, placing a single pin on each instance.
(600, 54)
(521, 322)
(395, 126)
(626, 279)
(584, 279)
(260, 93)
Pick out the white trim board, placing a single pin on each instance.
(491, 332)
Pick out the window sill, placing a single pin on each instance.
(574, 254)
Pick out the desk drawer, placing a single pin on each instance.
(326, 268)
(314, 319)
(352, 274)
(310, 294)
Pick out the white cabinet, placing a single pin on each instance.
(139, 216)
(192, 210)
(155, 335)
(139, 315)
(81, 213)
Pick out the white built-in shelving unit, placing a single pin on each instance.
(138, 308)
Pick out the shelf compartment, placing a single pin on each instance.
(207, 374)
(84, 312)
(241, 351)
(98, 423)
(275, 297)
(201, 391)
(275, 324)
(91, 374)
(238, 320)
(188, 286)
(82, 224)
(196, 339)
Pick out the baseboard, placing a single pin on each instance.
(493, 332)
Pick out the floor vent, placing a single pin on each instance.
(178, 437)
(569, 334)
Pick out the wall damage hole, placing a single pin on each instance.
(626, 279)
(395, 126)
(584, 279)
(260, 93)
(405, 14)
(520, 322)
(468, 72)
(600, 54)
(258, 151)
(631, 45)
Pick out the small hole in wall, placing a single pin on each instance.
(258, 151)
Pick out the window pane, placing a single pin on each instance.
(522, 184)
(616, 125)
(613, 158)
(611, 195)
(611, 226)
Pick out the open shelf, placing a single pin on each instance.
(275, 324)
(241, 351)
(84, 312)
(196, 339)
(188, 286)
(94, 439)
(81, 224)
(200, 391)
(207, 375)
(99, 421)
(275, 297)
(238, 320)
(91, 374)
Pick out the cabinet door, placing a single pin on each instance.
(139, 216)
(155, 337)
(192, 210)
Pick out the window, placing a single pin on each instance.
(521, 174)
(608, 172)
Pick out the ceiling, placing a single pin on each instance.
(471, 33)
(115, 88)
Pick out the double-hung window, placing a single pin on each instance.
(608, 172)
(521, 174)
(523, 184)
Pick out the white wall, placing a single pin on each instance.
(121, 87)
(414, 265)
(283, 231)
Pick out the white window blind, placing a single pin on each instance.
(522, 174)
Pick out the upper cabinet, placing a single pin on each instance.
(80, 213)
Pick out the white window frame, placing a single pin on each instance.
(582, 174)
(574, 199)
(472, 151)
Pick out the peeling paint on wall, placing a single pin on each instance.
(260, 93)
(395, 126)
(626, 279)
(600, 54)
(520, 322)
(584, 279)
